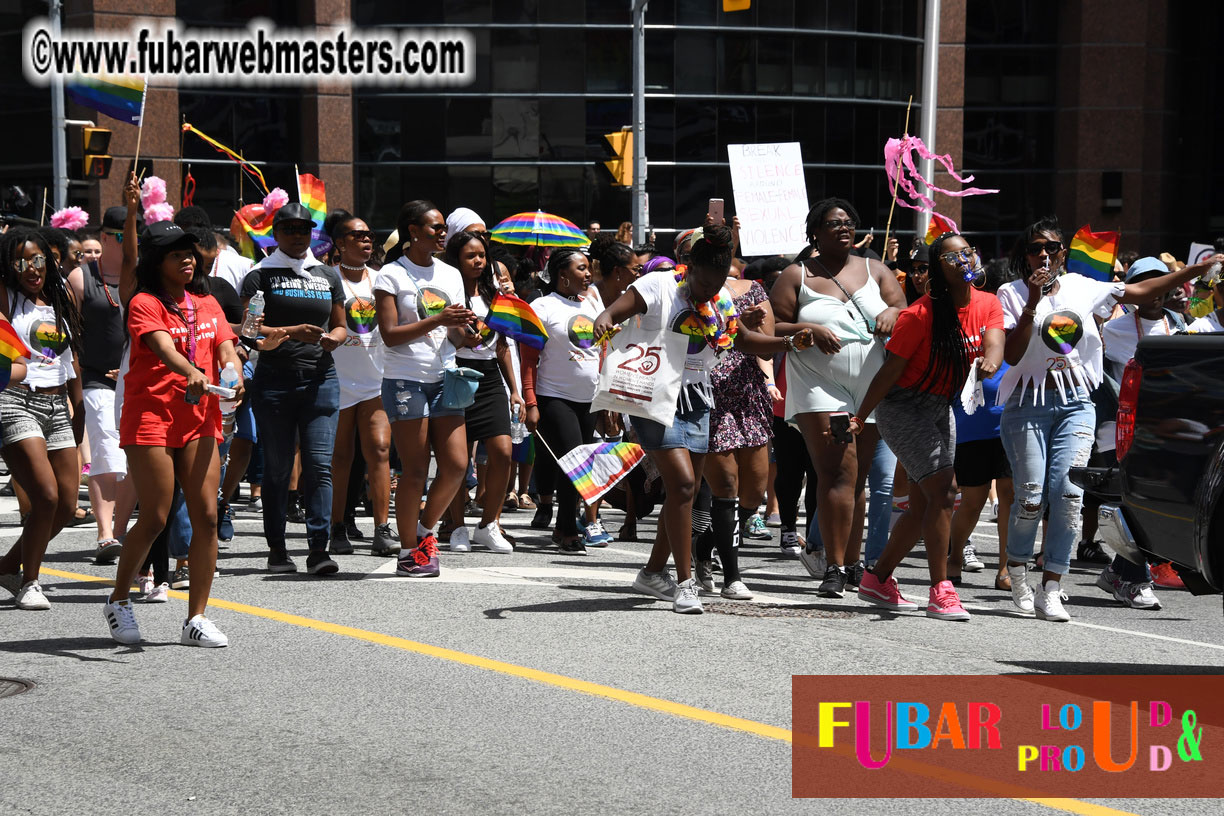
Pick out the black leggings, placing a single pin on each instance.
(791, 456)
(564, 425)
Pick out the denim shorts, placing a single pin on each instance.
(690, 431)
(26, 414)
(408, 399)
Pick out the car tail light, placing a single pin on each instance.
(1128, 401)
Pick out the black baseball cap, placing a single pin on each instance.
(114, 217)
(167, 235)
(291, 212)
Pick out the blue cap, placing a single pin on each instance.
(1148, 267)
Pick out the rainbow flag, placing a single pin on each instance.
(12, 347)
(514, 318)
(313, 196)
(595, 468)
(1092, 254)
(938, 226)
(262, 235)
(119, 97)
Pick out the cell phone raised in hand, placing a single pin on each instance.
(716, 211)
(839, 427)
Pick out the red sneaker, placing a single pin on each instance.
(884, 593)
(421, 561)
(1163, 575)
(945, 604)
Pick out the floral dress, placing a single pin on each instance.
(743, 413)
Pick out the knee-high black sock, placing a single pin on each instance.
(725, 526)
(703, 540)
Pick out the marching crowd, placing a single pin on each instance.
(350, 374)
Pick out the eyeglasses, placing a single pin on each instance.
(360, 235)
(297, 229)
(78, 255)
(38, 262)
(1049, 247)
(845, 222)
(967, 254)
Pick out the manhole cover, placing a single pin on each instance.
(10, 687)
(772, 611)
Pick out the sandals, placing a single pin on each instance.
(525, 502)
(511, 504)
(1003, 582)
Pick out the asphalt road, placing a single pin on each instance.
(473, 693)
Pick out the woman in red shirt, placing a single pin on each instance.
(170, 426)
(934, 344)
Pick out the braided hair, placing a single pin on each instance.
(713, 249)
(557, 262)
(951, 352)
(54, 291)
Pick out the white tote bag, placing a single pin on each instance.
(640, 372)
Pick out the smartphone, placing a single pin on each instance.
(839, 427)
(716, 211)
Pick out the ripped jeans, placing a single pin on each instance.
(1043, 443)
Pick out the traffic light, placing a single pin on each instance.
(95, 142)
(621, 167)
(736, 5)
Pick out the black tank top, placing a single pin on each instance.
(103, 329)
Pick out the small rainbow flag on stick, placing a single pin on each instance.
(261, 235)
(119, 97)
(938, 226)
(12, 348)
(514, 318)
(595, 468)
(1092, 254)
(313, 196)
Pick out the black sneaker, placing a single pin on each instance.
(542, 520)
(385, 542)
(320, 563)
(180, 579)
(834, 583)
(572, 546)
(339, 544)
(295, 514)
(854, 574)
(279, 561)
(353, 531)
(1091, 552)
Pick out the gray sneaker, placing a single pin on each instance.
(814, 561)
(687, 600)
(660, 585)
(704, 571)
(385, 542)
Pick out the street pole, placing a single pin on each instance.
(638, 8)
(59, 151)
(930, 99)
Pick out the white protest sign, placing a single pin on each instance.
(770, 197)
(1199, 252)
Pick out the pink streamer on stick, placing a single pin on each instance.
(899, 165)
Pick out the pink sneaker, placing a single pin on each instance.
(884, 593)
(945, 604)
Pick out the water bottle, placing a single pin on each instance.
(518, 430)
(255, 307)
(229, 407)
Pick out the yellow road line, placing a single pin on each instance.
(548, 678)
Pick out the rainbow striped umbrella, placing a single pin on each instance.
(539, 229)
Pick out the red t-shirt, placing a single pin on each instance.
(154, 409)
(911, 337)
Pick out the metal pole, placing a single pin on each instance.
(59, 149)
(639, 120)
(930, 98)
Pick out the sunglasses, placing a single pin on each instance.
(1049, 247)
(360, 235)
(295, 229)
(922, 269)
(846, 222)
(118, 236)
(38, 262)
(967, 254)
(436, 229)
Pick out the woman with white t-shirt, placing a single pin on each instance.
(1049, 420)
(694, 302)
(559, 380)
(417, 300)
(488, 417)
(359, 367)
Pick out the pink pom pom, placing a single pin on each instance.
(274, 200)
(158, 212)
(70, 218)
(152, 191)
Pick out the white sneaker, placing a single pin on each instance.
(687, 601)
(1049, 605)
(122, 622)
(1022, 593)
(30, 597)
(736, 591)
(970, 561)
(994, 510)
(200, 631)
(661, 585)
(158, 594)
(815, 562)
(144, 583)
(1137, 595)
(460, 541)
(489, 537)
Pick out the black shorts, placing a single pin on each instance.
(981, 461)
